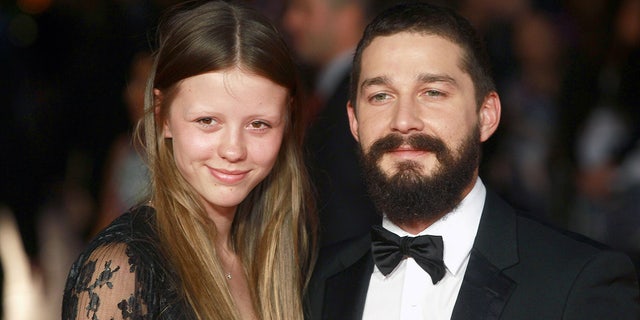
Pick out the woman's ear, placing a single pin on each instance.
(489, 116)
(158, 98)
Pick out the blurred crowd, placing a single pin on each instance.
(71, 80)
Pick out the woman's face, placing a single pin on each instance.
(227, 129)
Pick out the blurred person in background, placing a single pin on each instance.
(494, 20)
(588, 30)
(21, 285)
(324, 34)
(608, 143)
(126, 178)
(228, 232)
(521, 166)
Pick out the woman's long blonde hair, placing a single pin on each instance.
(273, 231)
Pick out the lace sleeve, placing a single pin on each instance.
(105, 287)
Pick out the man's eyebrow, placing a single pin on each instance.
(375, 81)
(423, 78)
(431, 77)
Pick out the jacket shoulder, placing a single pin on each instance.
(336, 257)
(581, 278)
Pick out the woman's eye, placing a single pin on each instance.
(206, 122)
(257, 125)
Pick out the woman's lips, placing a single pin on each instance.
(228, 176)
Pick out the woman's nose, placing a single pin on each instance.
(233, 148)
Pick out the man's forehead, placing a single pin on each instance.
(432, 53)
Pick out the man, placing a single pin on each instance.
(422, 102)
(324, 34)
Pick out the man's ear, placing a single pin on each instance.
(353, 121)
(158, 99)
(489, 115)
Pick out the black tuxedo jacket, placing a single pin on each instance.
(518, 269)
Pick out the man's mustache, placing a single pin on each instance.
(418, 141)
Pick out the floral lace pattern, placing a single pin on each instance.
(123, 275)
(103, 279)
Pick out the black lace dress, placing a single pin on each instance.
(122, 274)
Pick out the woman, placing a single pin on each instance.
(228, 229)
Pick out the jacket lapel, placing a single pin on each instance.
(346, 292)
(485, 289)
(338, 288)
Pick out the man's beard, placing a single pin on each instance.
(409, 197)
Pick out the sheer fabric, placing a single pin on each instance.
(122, 274)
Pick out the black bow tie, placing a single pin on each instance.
(388, 249)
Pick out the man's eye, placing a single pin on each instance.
(433, 93)
(379, 97)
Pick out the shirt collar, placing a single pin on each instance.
(458, 228)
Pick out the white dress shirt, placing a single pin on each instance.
(408, 292)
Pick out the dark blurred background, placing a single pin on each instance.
(568, 72)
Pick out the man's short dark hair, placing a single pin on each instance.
(428, 19)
